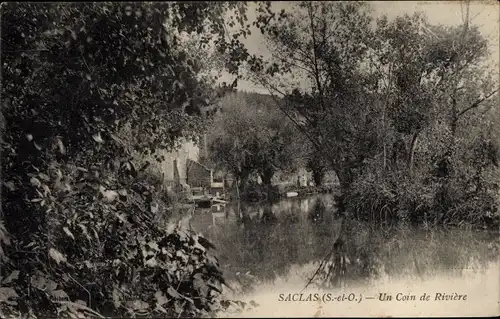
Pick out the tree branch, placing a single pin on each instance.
(292, 63)
(306, 117)
(317, 145)
(477, 103)
(297, 55)
(18, 51)
(315, 52)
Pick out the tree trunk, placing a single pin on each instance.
(399, 153)
(238, 189)
(454, 118)
(238, 198)
(445, 168)
(243, 178)
(384, 164)
(267, 175)
(411, 154)
(318, 176)
(345, 180)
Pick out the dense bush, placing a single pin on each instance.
(106, 246)
(84, 223)
(384, 198)
(249, 137)
(424, 198)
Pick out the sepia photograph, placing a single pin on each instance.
(250, 159)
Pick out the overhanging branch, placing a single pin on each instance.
(477, 103)
(317, 145)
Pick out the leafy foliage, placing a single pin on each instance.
(113, 249)
(430, 131)
(249, 136)
(75, 77)
(391, 109)
(324, 43)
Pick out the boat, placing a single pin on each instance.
(200, 198)
(219, 201)
(204, 199)
(292, 194)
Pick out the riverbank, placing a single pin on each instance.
(262, 195)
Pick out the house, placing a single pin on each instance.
(182, 168)
(197, 174)
(174, 168)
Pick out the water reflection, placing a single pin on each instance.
(260, 243)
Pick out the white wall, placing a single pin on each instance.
(187, 151)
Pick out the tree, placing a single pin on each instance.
(318, 167)
(248, 136)
(432, 78)
(379, 104)
(325, 44)
(419, 65)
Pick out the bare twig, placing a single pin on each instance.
(89, 301)
(292, 63)
(85, 61)
(323, 261)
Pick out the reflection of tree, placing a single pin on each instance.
(363, 252)
(269, 249)
(352, 258)
(435, 252)
(269, 244)
(268, 215)
(317, 214)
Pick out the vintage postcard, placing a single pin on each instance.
(250, 159)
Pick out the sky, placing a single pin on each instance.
(485, 14)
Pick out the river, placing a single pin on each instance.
(270, 252)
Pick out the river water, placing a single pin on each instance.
(270, 252)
